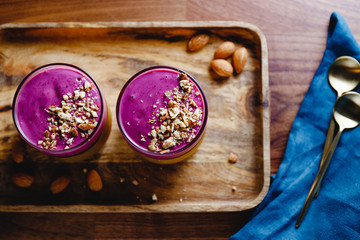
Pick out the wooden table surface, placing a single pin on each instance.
(296, 33)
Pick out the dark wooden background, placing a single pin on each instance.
(296, 33)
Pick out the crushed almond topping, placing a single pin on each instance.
(152, 146)
(82, 94)
(46, 133)
(94, 107)
(66, 97)
(174, 112)
(164, 151)
(192, 103)
(87, 86)
(94, 114)
(172, 104)
(153, 133)
(75, 117)
(183, 76)
(74, 132)
(168, 143)
(177, 119)
(168, 93)
(86, 126)
(70, 141)
(76, 94)
(65, 116)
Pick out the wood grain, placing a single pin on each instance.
(121, 226)
(296, 35)
(112, 52)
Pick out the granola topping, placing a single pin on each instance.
(177, 119)
(75, 117)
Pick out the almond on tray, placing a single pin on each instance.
(221, 67)
(225, 50)
(94, 181)
(197, 42)
(22, 180)
(239, 59)
(60, 184)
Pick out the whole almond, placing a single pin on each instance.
(74, 132)
(17, 149)
(225, 50)
(197, 42)
(94, 181)
(23, 180)
(221, 67)
(239, 59)
(59, 184)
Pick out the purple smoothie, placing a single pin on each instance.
(63, 87)
(141, 105)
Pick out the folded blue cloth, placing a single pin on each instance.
(335, 213)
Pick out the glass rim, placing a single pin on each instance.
(48, 151)
(158, 155)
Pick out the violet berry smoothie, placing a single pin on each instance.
(162, 113)
(59, 110)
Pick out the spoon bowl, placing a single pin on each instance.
(347, 111)
(347, 115)
(344, 74)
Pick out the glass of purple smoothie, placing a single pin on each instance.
(59, 110)
(162, 113)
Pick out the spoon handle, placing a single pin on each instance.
(329, 138)
(319, 178)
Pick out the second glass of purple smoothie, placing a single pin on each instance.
(59, 110)
(162, 113)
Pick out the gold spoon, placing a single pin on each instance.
(347, 115)
(343, 76)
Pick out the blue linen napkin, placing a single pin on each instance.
(335, 213)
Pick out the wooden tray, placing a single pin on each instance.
(112, 53)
